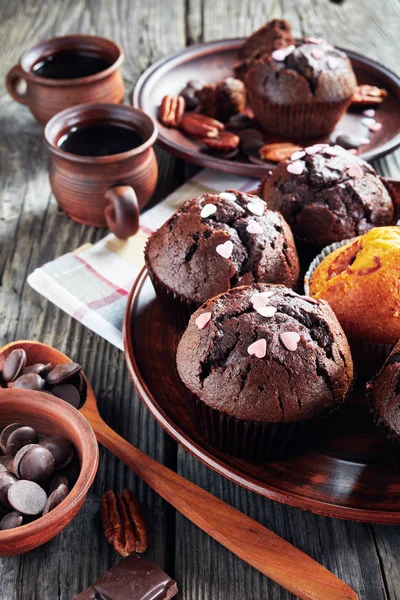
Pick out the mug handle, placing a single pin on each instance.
(15, 75)
(122, 212)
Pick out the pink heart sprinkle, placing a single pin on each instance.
(290, 339)
(266, 311)
(203, 320)
(332, 62)
(253, 227)
(317, 53)
(314, 40)
(278, 55)
(256, 207)
(370, 112)
(258, 348)
(298, 154)
(375, 126)
(227, 196)
(297, 167)
(332, 151)
(315, 148)
(261, 299)
(225, 250)
(208, 210)
(355, 171)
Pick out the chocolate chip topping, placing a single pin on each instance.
(384, 393)
(184, 254)
(285, 384)
(326, 203)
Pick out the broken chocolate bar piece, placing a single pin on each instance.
(134, 578)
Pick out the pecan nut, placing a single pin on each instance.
(278, 151)
(225, 142)
(201, 126)
(123, 523)
(368, 95)
(171, 111)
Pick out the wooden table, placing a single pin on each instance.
(34, 231)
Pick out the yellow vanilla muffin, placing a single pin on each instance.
(361, 282)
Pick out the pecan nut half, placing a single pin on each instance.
(278, 151)
(368, 95)
(123, 523)
(201, 126)
(225, 142)
(171, 111)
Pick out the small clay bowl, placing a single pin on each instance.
(49, 416)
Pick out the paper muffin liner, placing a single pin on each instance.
(390, 439)
(368, 357)
(250, 440)
(177, 309)
(394, 193)
(304, 120)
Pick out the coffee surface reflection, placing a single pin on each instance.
(100, 139)
(70, 65)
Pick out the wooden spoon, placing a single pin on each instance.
(253, 543)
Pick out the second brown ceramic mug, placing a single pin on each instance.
(106, 190)
(46, 96)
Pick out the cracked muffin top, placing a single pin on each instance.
(327, 194)
(308, 72)
(264, 353)
(218, 241)
(361, 282)
(384, 393)
(274, 35)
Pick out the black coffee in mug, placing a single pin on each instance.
(99, 139)
(70, 64)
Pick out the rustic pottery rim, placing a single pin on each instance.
(80, 110)
(78, 37)
(85, 479)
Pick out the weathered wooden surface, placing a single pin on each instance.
(33, 231)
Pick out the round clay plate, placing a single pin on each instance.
(212, 61)
(346, 473)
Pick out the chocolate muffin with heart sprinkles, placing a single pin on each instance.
(301, 91)
(215, 242)
(261, 364)
(327, 194)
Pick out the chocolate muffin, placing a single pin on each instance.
(384, 395)
(327, 194)
(218, 241)
(274, 35)
(223, 99)
(301, 91)
(260, 363)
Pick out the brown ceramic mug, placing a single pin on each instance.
(106, 190)
(71, 55)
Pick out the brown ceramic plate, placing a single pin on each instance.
(213, 60)
(345, 475)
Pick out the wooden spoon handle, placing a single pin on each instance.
(258, 546)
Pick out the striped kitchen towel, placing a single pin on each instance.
(92, 283)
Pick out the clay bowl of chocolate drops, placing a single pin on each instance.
(49, 453)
